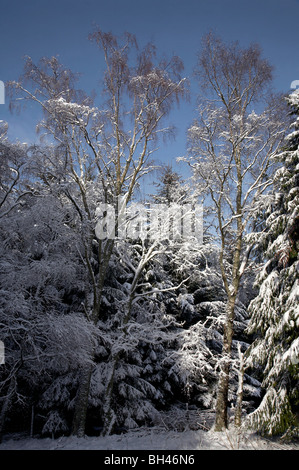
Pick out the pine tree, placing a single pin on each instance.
(275, 312)
(41, 289)
(170, 187)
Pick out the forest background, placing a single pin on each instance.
(103, 334)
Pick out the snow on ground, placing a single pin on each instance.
(150, 439)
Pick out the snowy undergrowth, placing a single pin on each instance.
(151, 439)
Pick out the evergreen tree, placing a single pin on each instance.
(170, 187)
(275, 312)
(41, 291)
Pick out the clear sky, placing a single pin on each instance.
(60, 27)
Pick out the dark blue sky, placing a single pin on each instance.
(60, 27)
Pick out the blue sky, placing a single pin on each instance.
(50, 27)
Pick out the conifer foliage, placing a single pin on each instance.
(104, 332)
(275, 311)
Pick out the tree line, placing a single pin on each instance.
(105, 333)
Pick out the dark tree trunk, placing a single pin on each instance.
(221, 420)
(81, 406)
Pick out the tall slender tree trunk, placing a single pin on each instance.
(238, 412)
(221, 419)
(108, 414)
(81, 404)
(6, 404)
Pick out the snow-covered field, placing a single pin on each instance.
(151, 439)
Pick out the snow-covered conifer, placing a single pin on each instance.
(275, 311)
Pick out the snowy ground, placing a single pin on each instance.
(151, 439)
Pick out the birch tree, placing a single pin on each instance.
(231, 149)
(95, 154)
